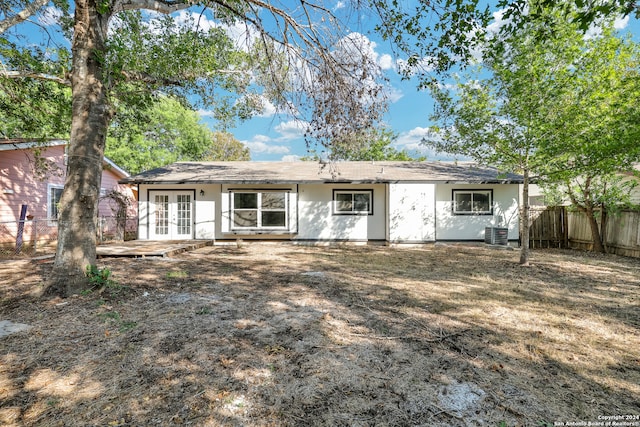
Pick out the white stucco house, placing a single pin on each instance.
(388, 202)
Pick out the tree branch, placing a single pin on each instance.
(160, 6)
(136, 76)
(36, 76)
(21, 16)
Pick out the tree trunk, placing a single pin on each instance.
(586, 207)
(90, 118)
(524, 220)
(595, 230)
(604, 217)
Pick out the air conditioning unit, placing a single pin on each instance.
(496, 235)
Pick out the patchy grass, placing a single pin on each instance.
(268, 334)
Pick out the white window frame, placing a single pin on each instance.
(259, 209)
(336, 203)
(51, 205)
(471, 211)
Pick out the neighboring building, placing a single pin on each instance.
(33, 174)
(537, 197)
(394, 202)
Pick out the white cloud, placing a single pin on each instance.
(268, 109)
(50, 16)
(205, 113)
(290, 130)
(447, 86)
(423, 65)
(291, 158)
(339, 5)
(385, 61)
(358, 45)
(199, 21)
(394, 94)
(621, 23)
(242, 34)
(595, 30)
(498, 22)
(492, 30)
(412, 141)
(287, 132)
(262, 144)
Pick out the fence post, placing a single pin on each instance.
(34, 224)
(565, 227)
(19, 237)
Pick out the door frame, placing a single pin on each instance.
(172, 206)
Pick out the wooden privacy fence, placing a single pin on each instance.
(621, 236)
(557, 227)
(549, 227)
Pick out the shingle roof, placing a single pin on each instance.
(26, 144)
(312, 172)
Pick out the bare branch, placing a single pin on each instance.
(165, 81)
(32, 75)
(21, 16)
(159, 6)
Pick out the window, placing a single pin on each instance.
(183, 207)
(162, 214)
(54, 193)
(259, 210)
(353, 202)
(473, 202)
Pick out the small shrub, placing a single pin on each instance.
(127, 326)
(111, 315)
(177, 275)
(98, 278)
(204, 310)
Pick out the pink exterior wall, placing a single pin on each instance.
(110, 182)
(19, 185)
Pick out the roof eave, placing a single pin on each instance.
(23, 145)
(319, 181)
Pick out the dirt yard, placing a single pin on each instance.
(283, 335)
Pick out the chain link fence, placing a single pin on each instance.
(34, 237)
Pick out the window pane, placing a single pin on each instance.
(273, 200)
(344, 202)
(463, 202)
(245, 200)
(481, 202)
(56, 194)
(247, 218)
(162, 214)
(361, 202)
(273, 219)
(184, 214)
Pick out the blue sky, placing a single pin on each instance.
(274, 138)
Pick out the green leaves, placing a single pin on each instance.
(175, 56)
(445, 32)
(558, 105)
(165, 132)
(373, 145)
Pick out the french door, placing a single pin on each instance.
(171, 215)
